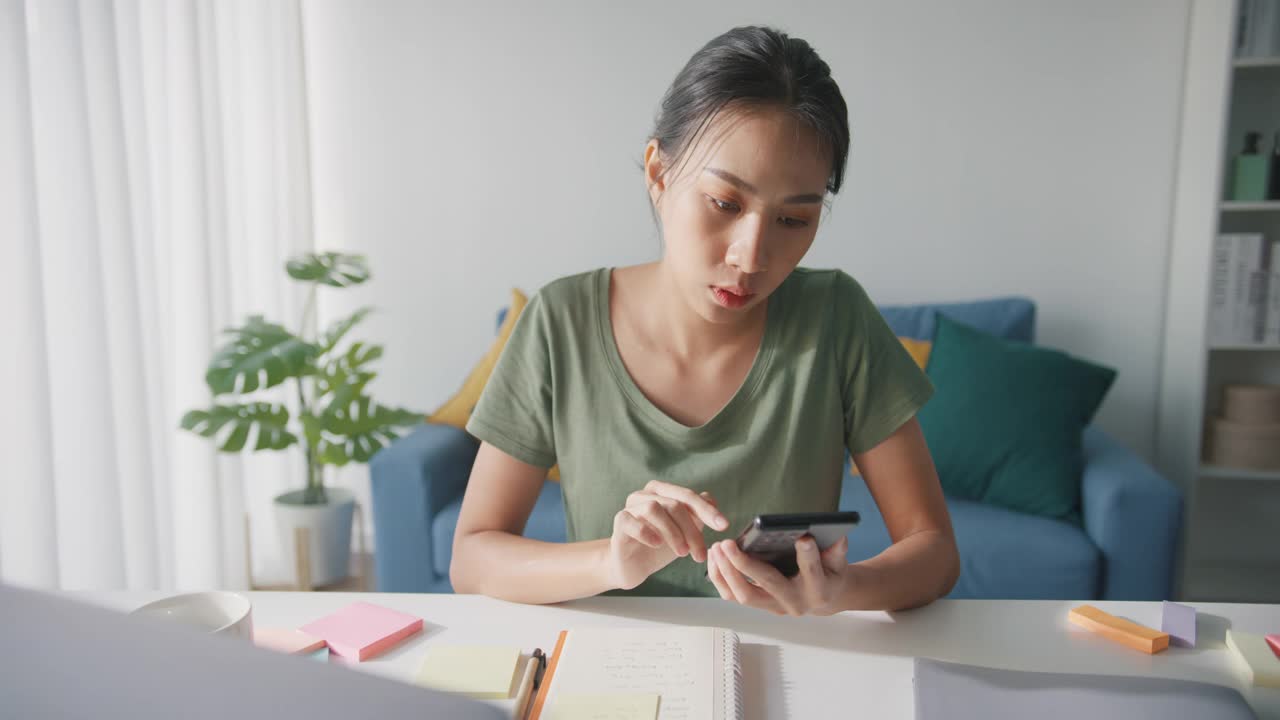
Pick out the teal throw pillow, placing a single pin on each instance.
(1004, 425)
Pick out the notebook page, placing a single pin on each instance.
(679, 664)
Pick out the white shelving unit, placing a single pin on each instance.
(1230, 549)
(1231, 583)
(1217, 472)
(1247, 63)
(1245, 348)
(1234, 207)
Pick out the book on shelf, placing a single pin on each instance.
(1239, 289)
(1272, 334)
(1257, 28)
(1221, 290)
(1252, 322)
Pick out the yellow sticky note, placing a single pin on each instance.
(1254, 658)
(605, 707)
(479, 671)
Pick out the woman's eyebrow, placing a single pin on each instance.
(748, 187)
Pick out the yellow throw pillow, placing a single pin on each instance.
(457, 410)
(919, 351)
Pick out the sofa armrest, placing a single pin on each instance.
(411, 481)
(1133, 514)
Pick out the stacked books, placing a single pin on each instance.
(1257, 31)
(1244, 306)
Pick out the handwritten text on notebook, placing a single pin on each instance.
(679, 665)
(605, 707)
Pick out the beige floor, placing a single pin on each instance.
(360, 579)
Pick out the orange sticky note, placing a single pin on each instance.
(1138, 637)
(286, 640)
(363, 630)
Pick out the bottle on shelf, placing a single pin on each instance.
(1250, 178)
(1273, 192)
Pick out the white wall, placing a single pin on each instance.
(999, 147)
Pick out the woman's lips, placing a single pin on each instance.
(732, 299)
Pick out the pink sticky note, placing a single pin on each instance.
(363, 630)
(1274, 642)
(1180, 622)
(286, 640)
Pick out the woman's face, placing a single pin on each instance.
(741, 212)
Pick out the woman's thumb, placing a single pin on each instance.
(836, 556)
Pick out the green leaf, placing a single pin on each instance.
(259, 354)
(333, 453)
(342, 380)
(271, 421)
(332, 269)
(361, 429)
(333, 335)
(359, 355)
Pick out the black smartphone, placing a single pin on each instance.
(772, 538)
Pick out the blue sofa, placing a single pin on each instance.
(1122, 550)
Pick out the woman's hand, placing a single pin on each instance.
(659, 524)
(815, 590)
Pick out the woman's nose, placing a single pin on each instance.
(747, 251)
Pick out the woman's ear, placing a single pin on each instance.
(653, 171)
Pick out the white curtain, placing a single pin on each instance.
(153, 179)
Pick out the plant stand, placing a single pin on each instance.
(302, 560)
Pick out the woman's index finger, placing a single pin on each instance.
(703, 508)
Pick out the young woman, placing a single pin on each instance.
(683, 397)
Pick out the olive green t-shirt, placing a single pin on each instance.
(829, 376)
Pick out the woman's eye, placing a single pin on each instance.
(723, 205)
(728, 206)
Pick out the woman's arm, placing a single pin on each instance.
(921, 566)
(923, 563)
(491, 557)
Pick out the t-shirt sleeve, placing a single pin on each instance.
(514, 413)
(883, 386)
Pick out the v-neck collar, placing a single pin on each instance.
(741, 398)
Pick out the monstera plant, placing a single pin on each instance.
(335, 421)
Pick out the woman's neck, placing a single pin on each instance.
(679, 329)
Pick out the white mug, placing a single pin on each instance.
(215, 612)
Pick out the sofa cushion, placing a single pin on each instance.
(1003, 554)
(546, 523)
(1012, 318)
(1004, 426)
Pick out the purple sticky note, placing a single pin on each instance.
(1180, 622)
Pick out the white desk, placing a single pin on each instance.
(810, 667)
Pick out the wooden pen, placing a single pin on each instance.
(525, 692)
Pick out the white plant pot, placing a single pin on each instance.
(329, 527)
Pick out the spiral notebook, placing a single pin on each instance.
(696, 672)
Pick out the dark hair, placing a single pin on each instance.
(754, 67)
